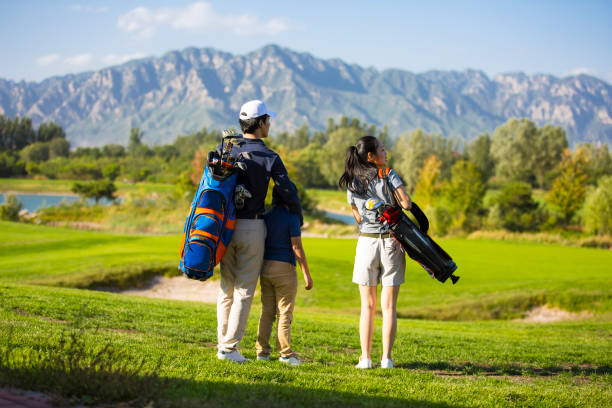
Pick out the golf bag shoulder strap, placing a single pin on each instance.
(382, 173)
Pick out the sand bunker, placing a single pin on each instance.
(547, 314)
(178, 288)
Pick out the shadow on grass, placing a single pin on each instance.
(507, 369)
(192, 393)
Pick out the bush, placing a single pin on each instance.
(36, 152)
(515, 209)
(10, 165)
(597, 212)
(95, 189)
(10, 209)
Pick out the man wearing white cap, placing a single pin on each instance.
(243, 259)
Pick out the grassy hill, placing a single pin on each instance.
(139, 350)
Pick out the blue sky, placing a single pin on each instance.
(41, 38)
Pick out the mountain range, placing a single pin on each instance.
(183, 91)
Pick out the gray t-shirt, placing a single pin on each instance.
(376, 190)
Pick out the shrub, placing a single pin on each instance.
(10, 209)
(95, 189)
(515, 209)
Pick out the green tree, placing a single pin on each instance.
(599, 161)
(36, 152)
(332, 154)
(10, 165)
(512, 149)
(428, 185)
(113, 151)
(523, 152)
(307, 163)
(479, 153)
(111, 171)
(411, 151)
(95, 189)
(300, 138)
(569, 189)
(48, 131)
(59, 147)
(549, 145)
(597, 214)
(464, 195)
(16, 133)
(515, 209)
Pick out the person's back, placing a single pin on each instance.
(279, 280)
(281, 225)
(243, 259)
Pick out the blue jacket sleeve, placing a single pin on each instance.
(287, 189)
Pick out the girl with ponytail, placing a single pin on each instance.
(379, 257)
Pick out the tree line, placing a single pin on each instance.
(521, 178)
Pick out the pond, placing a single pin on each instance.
(33, 202)
(345, 218)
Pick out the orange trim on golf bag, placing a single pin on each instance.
(209, 211)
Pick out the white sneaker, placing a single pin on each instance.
(386, 363)
(234, 356)
(364, 363)
(292, 361)
(263, 357)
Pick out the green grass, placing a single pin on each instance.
(330, 200)
(466, 362)
(64, 186)
(65, 257)
(440, 363)
(499, 279)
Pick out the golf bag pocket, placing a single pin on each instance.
(209, 226)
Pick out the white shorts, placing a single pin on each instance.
(379, 260)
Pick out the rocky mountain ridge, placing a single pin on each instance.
(182, 91)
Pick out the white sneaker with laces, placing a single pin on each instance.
(364, 363)
(292, 361)
(386, 363)
(263, 358)
(234, 356)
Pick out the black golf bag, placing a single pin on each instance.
(415, 241)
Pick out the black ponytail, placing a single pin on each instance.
(358, 171)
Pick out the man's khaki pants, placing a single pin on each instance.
(278, 290)
(240, 268)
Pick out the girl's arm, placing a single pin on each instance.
(403, 199)
(300, 255)
(356, 213)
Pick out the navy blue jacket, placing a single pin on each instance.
(262, 163)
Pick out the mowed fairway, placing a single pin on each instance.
(441, 363)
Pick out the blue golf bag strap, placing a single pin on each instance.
(414, 209)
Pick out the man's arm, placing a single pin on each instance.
(300, 255)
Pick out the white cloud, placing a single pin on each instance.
(88, 9)
(113, 59)
(45, 60)
(80, 60)
(143, 22)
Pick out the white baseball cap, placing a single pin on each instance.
(254, 109)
